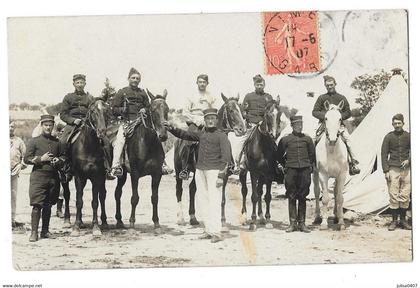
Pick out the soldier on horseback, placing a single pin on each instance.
(193, 110)
(253, 105)
(128, 104)
(319, 111)
(75, 106)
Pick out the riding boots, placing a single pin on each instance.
(292, 216)
(394, 222)
(403, 221)
(46, 215)
(35, 216)
(301, 216)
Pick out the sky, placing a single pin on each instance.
(171, 50)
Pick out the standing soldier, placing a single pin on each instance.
(193, 110)
(213, 160)
(254, 105)
(319, 111)
(395, 154)
(75, 106)
(17, 152)
(296, 152)
(46, 153)
(128, 104)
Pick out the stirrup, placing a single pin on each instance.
(354, 170)
(117, 171)
(166, 170)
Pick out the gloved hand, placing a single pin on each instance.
(57, 163)
(77, 122)
(167, 125)
(142, 110)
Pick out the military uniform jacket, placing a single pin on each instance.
(395, 149)
(296, 150)
(128, 101)
(75, 106)
(37, 147)
(334, 98)
(254, 105)
(214, 151)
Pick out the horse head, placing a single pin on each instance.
(332, 120)
(159, 110)
(96, 117)
(272, 124)
(230, 116)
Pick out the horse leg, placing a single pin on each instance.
(254, 198)
(102, 197)
(180, 213)
(318, 219)
(224, 227)
(66, 195)
(267, 198)
(325, 202)
(134, 197)
(260, 185)
(339, 186)
(96, 231)
(155, 200)
(193, 191)
(244, 191)
(80, 184)
(117, 195)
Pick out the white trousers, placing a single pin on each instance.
(237, 143)
(14, 182)
(118, 146)
(209, 199)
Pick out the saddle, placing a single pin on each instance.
(74, 134)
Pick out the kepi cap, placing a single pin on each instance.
(79, 76)
(210, 111)
(294, 119)
(46, 118)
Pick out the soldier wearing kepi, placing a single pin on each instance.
(253, 105)
(128, 104)
(75, 106)
(46, 154)
(395, 154)
(319, 111)
(214, 155)
(296, 153)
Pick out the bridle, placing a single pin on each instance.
(226, 119)
(87, 121)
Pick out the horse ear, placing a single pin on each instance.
(164, 94)
(224, 98)
(150, 94)
(327, 105)
(237, 97)
(278, 100)
(341, 105)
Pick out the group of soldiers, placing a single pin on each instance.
(296, 151)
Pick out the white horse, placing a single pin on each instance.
(331, 154)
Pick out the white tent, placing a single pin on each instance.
(367, 192)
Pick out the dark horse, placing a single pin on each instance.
(145, 157)
(230, 120)
(260, 154)
(87, 163)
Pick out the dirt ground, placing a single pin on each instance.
(366, 240)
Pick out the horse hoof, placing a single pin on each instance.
(253, 227)
(262, 221)
(194, 222)
(324, 227)
(75, 233)
(225, 229)
(317, 221)
(96, 232)
(341, 227)
(67, 223)
(131, 225)
(269, 225)
(104, 226)
(120, 225)
(181, 222)
(242, 219)
(158, 231)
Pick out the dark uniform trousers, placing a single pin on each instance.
(297, 183)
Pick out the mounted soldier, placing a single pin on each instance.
(75, 106)
(319, 110)
(253, 105)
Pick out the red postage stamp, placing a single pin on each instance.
(291, 42)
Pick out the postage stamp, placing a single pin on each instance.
(291, 42)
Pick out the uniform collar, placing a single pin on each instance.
(297, 134)
(79, 92)
(399, 133)
(211, 130)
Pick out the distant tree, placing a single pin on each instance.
(42, 104)
(34, 107)
(13, 106)
(370, 88)
(54, 109)
(24, 106)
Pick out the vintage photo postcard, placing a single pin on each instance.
(266, 138)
